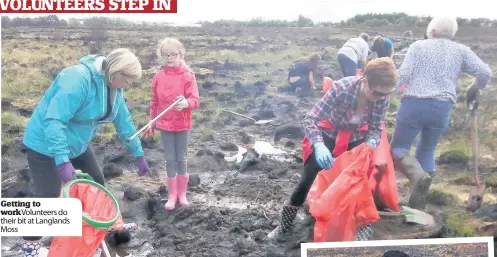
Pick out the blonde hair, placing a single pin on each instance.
(381, 72)
(179, 46)
(123, 61)
(443, 26)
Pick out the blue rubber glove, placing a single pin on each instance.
(372, 142)
(323, 155)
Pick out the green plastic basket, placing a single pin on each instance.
(84, 178)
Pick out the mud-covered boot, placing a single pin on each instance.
(288, 214)
(420, 180)
(364, 233)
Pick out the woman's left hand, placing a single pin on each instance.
(372, 142)
(143, 168)
(473, 97)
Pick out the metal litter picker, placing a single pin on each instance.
(179, 99)
(257, 122)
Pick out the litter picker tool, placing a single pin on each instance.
(179, 99)
(258, 122)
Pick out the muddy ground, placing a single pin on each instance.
(441, 250)
(241, 70)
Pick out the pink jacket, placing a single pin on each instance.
(167, 85)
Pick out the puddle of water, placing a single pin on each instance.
(223, 202)
(264, 149)
(213, 180)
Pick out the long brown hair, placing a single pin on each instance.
(312, 60)
(379, 44)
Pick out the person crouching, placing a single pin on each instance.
(301, 74)
(355, 104)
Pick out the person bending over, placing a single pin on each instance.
(356, 104)
(382, 47)
(353, 55)
(58, 135)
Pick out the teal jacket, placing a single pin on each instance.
(70, 113)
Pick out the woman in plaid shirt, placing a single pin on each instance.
(348, 114)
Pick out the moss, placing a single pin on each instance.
(12, 127)
(12, 119)
(394, 103)
(442, 197)
(454, 156)
(459, 225)
(197, 116)
(463, 179)
(491, 181)
(205, 130)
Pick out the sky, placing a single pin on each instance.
(190, 11)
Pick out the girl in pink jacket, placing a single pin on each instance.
(173, 80)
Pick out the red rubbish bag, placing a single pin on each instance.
(340, 198)
(327, 84)
(383, 180)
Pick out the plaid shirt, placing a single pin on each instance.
(338, 106)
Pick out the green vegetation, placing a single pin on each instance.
(460, 225)
(370, 19)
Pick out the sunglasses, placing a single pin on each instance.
(380, 94)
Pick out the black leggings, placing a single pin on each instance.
(311, 170)
(47, 184)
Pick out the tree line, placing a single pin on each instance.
(370, 19)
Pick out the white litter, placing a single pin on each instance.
(263, 148)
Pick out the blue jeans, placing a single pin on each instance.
(347, 65)
(429, 117)
(303, 83)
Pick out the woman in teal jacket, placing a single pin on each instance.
(58, 135)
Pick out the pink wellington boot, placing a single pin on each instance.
(182, 188)
(172, 193)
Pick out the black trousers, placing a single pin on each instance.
(47, 184)
(311, 170)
